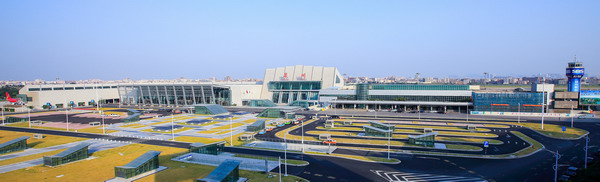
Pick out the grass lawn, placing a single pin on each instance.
(176, 130)
(555, 130)
(47, 141)
(211, 131)
(441, 127)
(249, 121)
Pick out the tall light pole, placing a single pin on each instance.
(172, 127)
(389, 143)
(302, 128)
(467, 112)
(2, 115)
(555, 167)
(572, 116)
(279, 160)
(519, 114)
(285, 153)
(231, 130)
(29, 116)
(67, 116)
(543, 99)
(587, 141)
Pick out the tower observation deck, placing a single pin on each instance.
(575, 72)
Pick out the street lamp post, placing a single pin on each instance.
(587, 141)
(519, 114)
(231, 131)
(557, 156)
(67, 116)
(29, 116)
(172, 127)
(279, 160)
(389, 143)
(285, 153)
(543, 99)
(571, 116)
(302, 128)
(2, 115)
(467, 112)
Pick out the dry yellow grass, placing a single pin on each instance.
(47, 141)
(192, 139)
(99, 169)
(29, 157)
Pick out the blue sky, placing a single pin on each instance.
(199, 39)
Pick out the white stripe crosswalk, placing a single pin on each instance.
(394, 176)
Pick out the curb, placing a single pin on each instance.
(580, 137)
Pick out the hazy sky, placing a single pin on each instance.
(199, 39)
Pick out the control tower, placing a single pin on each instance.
(575, 71)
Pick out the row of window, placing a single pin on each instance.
(295, 85)
(70, 88)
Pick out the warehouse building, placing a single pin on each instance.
(75, 153)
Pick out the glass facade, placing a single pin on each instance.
(362, 92)
(174, 94)
(148, 161)
(417, 87)
(295, 85)
(209, 109)
(272, 113)
(378, 132)
(420, 98)
(289, 91)
(227, 171)
(258, 103)
(73, 154)
(507, 102)
(14, 145)
(212, 149)
(427, 140)
(256, 126)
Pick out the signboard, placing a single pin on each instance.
(589, 97)
(564, 128)
(486, 143)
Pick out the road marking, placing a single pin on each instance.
(393, 176)
(319, 175)
(429, 158)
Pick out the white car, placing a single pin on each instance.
(370, 110)
(114, 115)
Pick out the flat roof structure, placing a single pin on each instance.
(144, 163)
(208, 148)
(72, 149)
(381, 125)
(376, 129)
(75, 153)
(137, 162)
(258, 125)
(210, 109)
(241, 113)
(228, 170)
(13, 141)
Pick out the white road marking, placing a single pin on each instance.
(394, 176)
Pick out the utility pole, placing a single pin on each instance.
(279, 160)
(587, 141)
(572, 116)
(172, 126)
(285, 153)
(389, 143)
(543, 99)
(519, 114)
(29, 116)
(302, 128)
(557, 156)
(230, 130)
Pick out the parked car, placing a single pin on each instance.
(261, 132)
(371, 110)
(564, 178)
(329, 141)
(571, 171)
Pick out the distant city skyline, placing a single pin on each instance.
(113, 40)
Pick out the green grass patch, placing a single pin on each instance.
(535, 145)
(553, 130)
